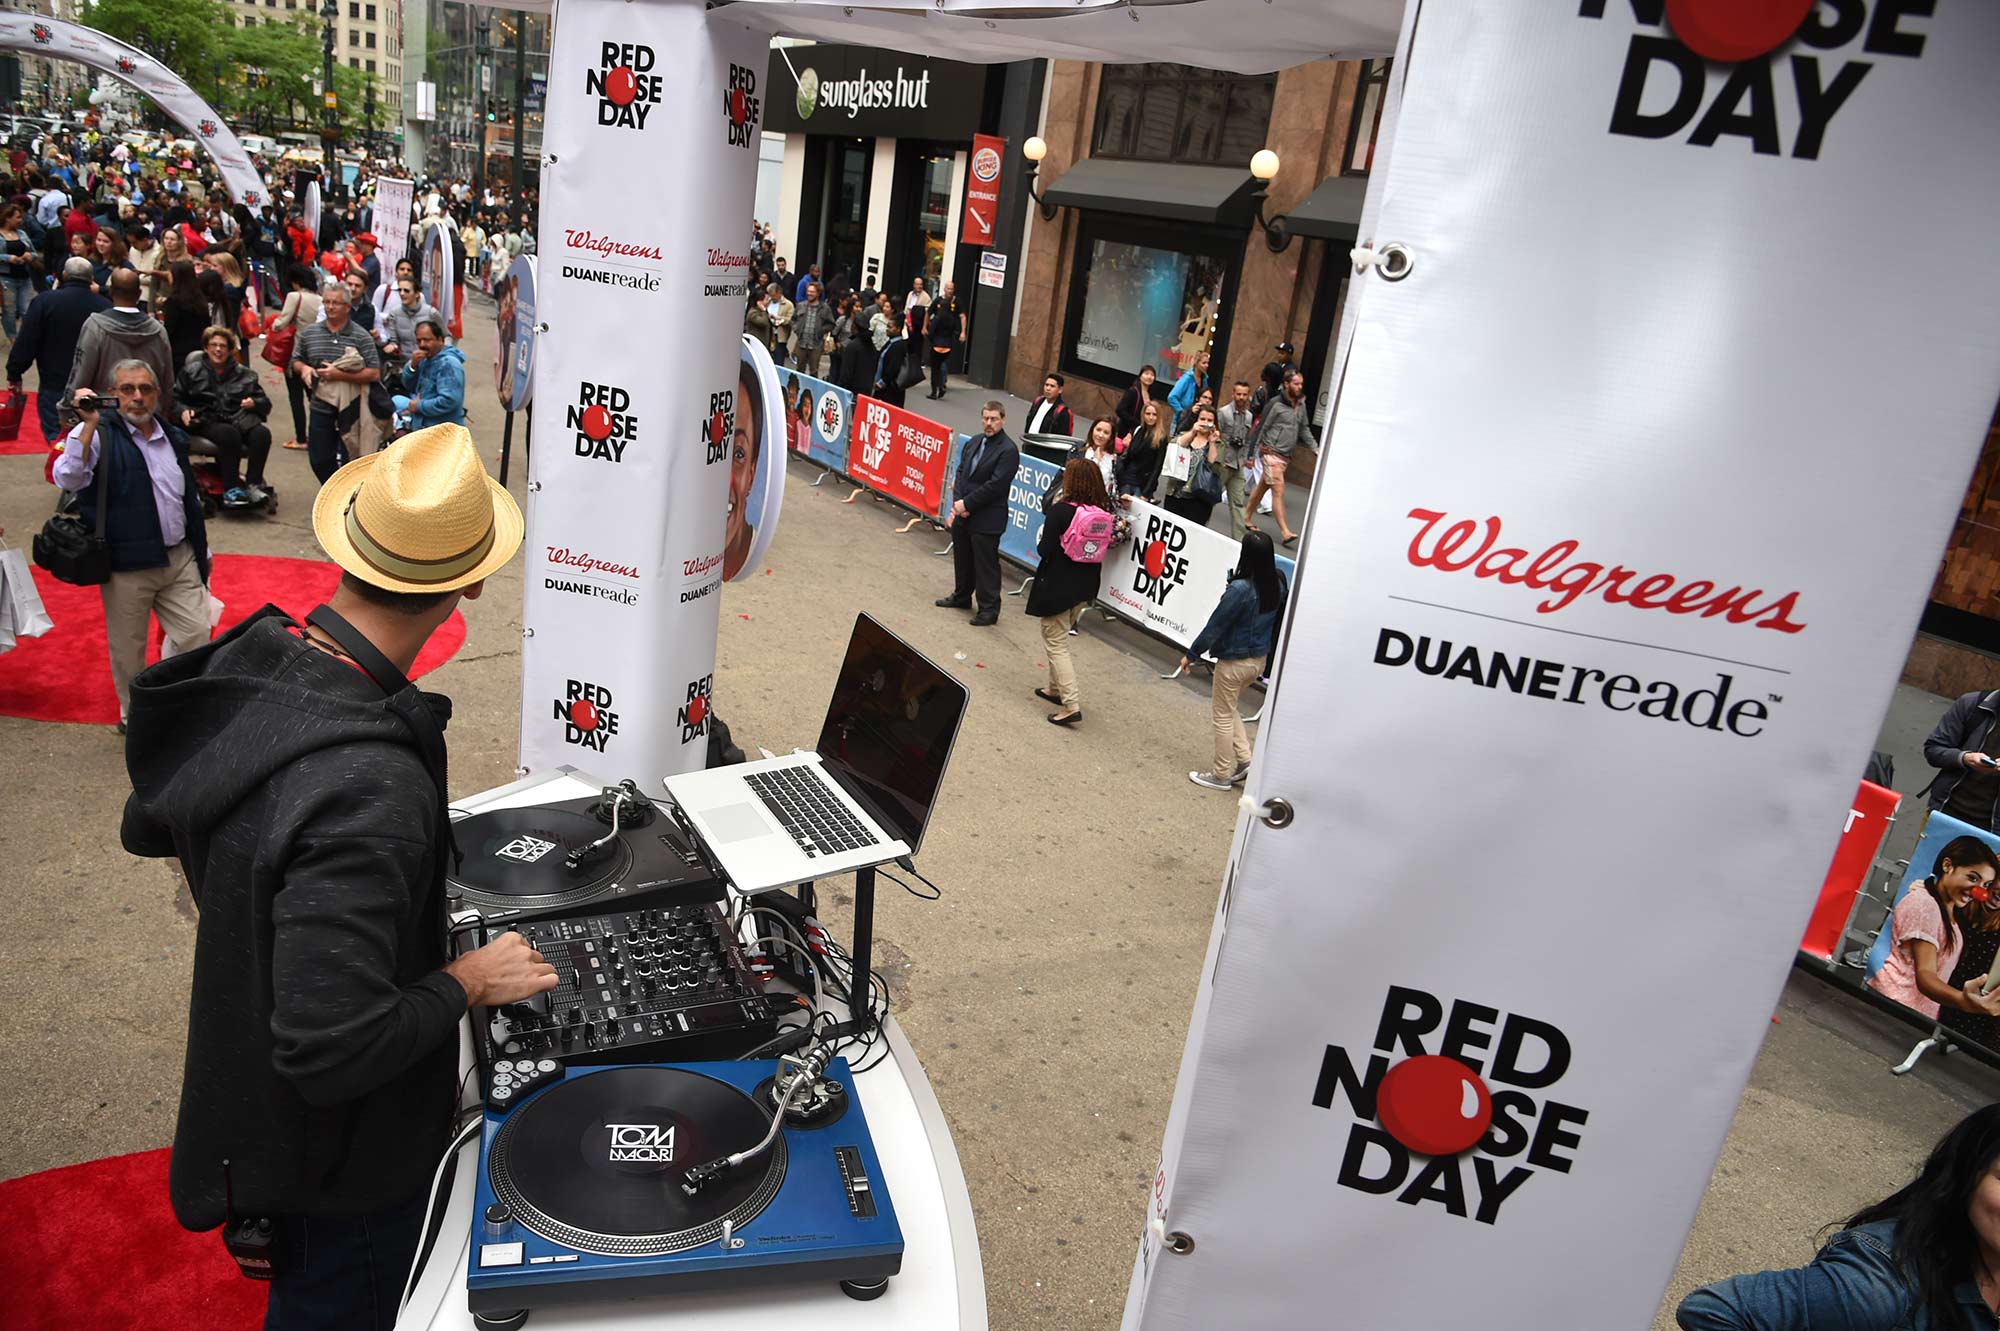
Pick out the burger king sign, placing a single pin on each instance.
(982, 191)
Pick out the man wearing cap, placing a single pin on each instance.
(299, 778)
(371, 266)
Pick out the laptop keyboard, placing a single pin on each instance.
(800, 801)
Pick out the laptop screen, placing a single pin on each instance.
(890, 728)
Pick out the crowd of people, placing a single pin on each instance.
(139, 297)
(878, 342)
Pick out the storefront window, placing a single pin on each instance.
(1177, 113)
(1366, 122)
(1145, 295)
(935, 219)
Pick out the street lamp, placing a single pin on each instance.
(1263, 170)
(1035, 149)
(482, 33)
(330, 112)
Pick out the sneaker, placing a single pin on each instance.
(1242, 775)
(293, 443)
(236, 496)
(1205, 780)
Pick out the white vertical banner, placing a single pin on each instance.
(394, 198)
(1636, 484)
(650, 168)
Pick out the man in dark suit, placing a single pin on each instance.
(979, 514)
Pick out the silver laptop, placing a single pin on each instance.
(862, 797)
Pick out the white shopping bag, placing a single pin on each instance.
(1180, 459)
(30, 618)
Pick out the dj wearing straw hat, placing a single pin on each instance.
(299, 777)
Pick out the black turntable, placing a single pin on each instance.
(584, 1189)
(589, 853)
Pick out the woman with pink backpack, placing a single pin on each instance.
(1077, 532)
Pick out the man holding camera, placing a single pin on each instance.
(152, 518)
(1967, 785)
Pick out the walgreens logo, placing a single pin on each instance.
(604, 247)
(1467, 545)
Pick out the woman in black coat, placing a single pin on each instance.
(222, 400)
(1064, 588)
(888, 384)
(1135, 400)
(941, 336)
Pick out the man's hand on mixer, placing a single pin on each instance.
(506, 970)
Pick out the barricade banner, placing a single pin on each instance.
(1940, 831)
(900, 454)
(761, 438)
(636, 382)
(514, 325)
(818, 418)
(1024, 510)
(1639, 529)
(1868, 821)
(394, 198)
(1171, 575)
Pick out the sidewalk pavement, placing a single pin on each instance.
(963, 399)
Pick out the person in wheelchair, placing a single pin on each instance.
(222, 403)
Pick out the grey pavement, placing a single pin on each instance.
(1047, 992)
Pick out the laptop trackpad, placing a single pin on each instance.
(736, 822)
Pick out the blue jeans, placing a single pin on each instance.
(15, 294)
(324, 447)
(346, 1274)
(48, 406)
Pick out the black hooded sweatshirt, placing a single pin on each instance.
(321, 1049)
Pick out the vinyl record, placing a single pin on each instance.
(596, 1162)
(520, 857)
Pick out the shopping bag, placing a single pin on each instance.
(12, 408)
(1180, 460)
(23, 602)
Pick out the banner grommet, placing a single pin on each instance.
(1179, 1242)
(1276, 812)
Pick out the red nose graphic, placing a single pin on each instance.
(718, 425)
(1733, 30)
(1434, 1105)
(621, 85)
(697, 709)
(583, 714)
(1156, 559)
(738, 110)
(1980, 895)
(597, 423)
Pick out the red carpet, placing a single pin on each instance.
(65, 675)
(30, 439)
(96, 1245)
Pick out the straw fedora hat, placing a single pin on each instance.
(422, 515)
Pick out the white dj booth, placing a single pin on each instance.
(941, 1286)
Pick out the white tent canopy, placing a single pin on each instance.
(1245, 36)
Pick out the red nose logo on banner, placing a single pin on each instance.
(583, 714)
(1156, 559)
(1434, 1105)
(697, 709)
(621, 85)
(739, 110)
(597, 422)
(1734, 30)
(718, 425)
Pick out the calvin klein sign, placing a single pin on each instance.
(827, 89)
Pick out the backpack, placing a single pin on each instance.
(1088, 538)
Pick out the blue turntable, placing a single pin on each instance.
(629, 1181)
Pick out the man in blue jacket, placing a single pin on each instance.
(435, 379)
(48, 339)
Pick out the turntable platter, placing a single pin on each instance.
(596, 1162)
(519, 857)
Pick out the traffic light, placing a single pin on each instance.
(490, 116)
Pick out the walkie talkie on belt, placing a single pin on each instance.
(253, 1243)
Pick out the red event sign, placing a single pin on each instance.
(1867, 823)
(982, 190)
(900, 454)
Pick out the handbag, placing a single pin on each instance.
(912, 373)
(380, 405)
(70, 553)
(246, 322)
(12, 409)
(1179, 461)
(1203, 481)
(278, 345)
